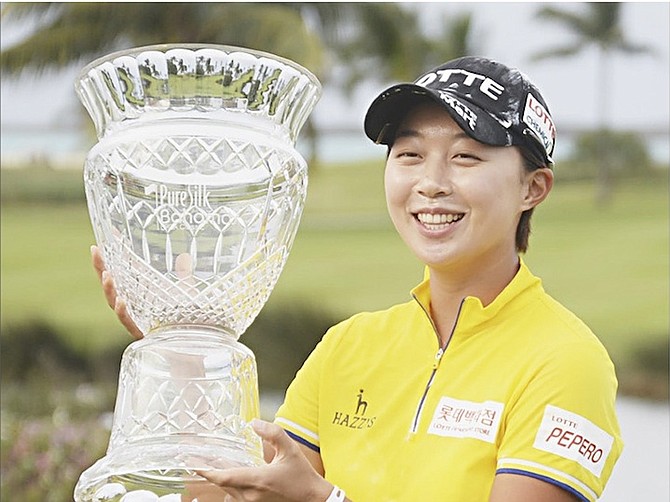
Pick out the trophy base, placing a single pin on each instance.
(155, 470)
(186, 396)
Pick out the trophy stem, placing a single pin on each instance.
(195, 191)
(185, 398)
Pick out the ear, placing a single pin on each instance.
(538, 184)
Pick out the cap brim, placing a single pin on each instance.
(390, 107)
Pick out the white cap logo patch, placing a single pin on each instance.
(574, 437)
(537, 118)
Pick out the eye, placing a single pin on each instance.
(467, 158)
(405, 152)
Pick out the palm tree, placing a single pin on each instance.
(76, 32)
(600, 26)
(380, 39)
(384, 41)
(364, 40)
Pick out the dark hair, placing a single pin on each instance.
(531, 162)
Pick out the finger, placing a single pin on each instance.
(274, 435)
(108, 288)
(121, 311)
(269, 452)
(233, 479)
(98, 262)
(183, 266)
(203, 492)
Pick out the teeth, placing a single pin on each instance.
(438, 219)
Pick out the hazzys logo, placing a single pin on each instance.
(359, 419)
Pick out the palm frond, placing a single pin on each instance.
(86, 30)
(631, 48)
(559, 52)
(604, 16)
(598, 25)
(456, 40)
(68, 36)
(23, 10)
(574, 22)
(51, 49)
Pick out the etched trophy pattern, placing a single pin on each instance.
(195, 191)
(195, 253)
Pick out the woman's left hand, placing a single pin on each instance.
(287, 477)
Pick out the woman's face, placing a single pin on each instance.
(455, 202)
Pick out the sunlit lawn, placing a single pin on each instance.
(609, 265)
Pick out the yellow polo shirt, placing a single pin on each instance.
(522, 387)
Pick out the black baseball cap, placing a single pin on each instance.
(493, 103)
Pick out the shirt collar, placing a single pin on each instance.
(473, 312)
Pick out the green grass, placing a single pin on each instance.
(47, 276)
(609, 265)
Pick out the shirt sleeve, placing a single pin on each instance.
(299, 414)
(562, 428)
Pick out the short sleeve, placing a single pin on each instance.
(562, 428)
(299, 414)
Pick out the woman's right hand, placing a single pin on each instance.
(117, 304)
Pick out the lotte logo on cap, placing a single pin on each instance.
(487, 86)
(537, 118)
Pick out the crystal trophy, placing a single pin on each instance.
(195, 191)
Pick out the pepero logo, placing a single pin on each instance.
(574, 437)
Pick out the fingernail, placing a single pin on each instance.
(258, 425)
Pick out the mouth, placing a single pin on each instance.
(438, 221)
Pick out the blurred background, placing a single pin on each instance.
(600, 242)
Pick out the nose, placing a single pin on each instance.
(435, 180)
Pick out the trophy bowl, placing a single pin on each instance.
(195, 191)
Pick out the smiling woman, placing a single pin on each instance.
(454, 199)
(504, 389)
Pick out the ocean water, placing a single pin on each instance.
(62, 145)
